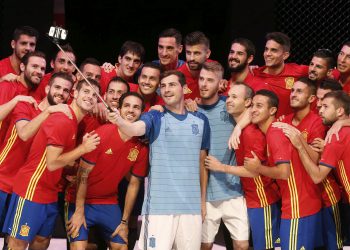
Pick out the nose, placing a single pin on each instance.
(191, 57)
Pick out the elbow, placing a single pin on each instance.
(317, 179)
(51, 167)
(285, 175)
(23, 137)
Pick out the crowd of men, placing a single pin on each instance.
(262, 153)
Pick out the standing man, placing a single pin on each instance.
(24, 40)
(343, 66)
(224, 198)
(321, 65)
(179, 141)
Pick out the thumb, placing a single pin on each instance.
(254, 155)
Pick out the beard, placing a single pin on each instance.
(30, 83)
(239, 68)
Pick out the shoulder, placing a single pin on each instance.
(199, 115)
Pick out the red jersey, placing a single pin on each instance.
(311, 127)
(39, 93)
(6, 67)
(300, 196)
(346, 87)
(192, 90)
(37, 183)
(112, 160)
(260, 191)
(14, 151)
(281, 84)
(336, 155)
(250, 80)
(106, 77)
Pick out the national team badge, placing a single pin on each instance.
(195, 129)
(24, 230)
(186, 89)
(289, 82)
(224, 116)
(304, 134)
(133, 154)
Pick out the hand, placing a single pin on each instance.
(74, 224)
(252, 67)
(72, 179)
(191, 105)
(90, 142)
(213, 164)
(252, 164)
(100, 111)
(292, 133)
(234, 141)
(10, 77)
(223, 86)
(203, 210)
(334, 130)
(159, 108)
(281, 118)
(26, 98)
(122, 230)
(317, 145)
(114, 116)
(108, 67)
(63, 108)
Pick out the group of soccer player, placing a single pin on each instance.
(262, 153)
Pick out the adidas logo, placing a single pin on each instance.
(109, 152)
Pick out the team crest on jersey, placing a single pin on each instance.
(133, 154)
(289, 82)
(152, 242)
(109, 152)
(186, 89)
(224, 116)
(304, 134)
(24, 230)
(195, 129)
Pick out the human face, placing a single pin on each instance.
(168, 50)
(171, 90)
(328, 112)
(62, 64)
(236, 101)
(92, 71)
(34, 70)
(131, 108)
(237, 58)
(208, 84)
(59, 91)
(343, 62)
(274, 54)
(114, 92)
(129, 64)
(23, 45)
(318, 69)
(196, 55)
(299, 95)
(149, 81)
(86, 97)
(261, 111)
(320, 93)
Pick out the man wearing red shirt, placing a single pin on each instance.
(276, 75)
(321, 65)
(327, 85)
(24, 40)
(343, 66)
(197, 47)
(33, 207)
(32, 70)
(261, 192)
(96, 200)
(301, 199)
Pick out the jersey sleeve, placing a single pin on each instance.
(280, 146)
(21, 112)
(331, 154)
(7, 92)
(152, 120)
(58, 130)
(140, 168)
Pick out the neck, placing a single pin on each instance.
(344, 78)
(121, 74)
(299, 115)
(170, 66)
(147, 98)
(274, 70)
(22, 80)
(79, 113)
(44, 104)
(240, 76)
(15, 62)
(194, 73)
(178, 108)
(123, 136)
(210, 101)
(266, 124)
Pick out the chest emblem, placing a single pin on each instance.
(195, 129)
(289, 82)
(133, 154)
(304, 134)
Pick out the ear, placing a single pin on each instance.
(22, 67)
(52, 64)
(208, 53)
(285, 55)
(312, 98)
(250, 59)
(75, 93)
(47, 88)
(180, 48)
(13, 44)
(340, 112)
(119, 59)
(248, 102)
(273, 111)
(329, 73)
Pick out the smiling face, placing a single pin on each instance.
(274, 54)
(168, 50)
(238, 58)
(196, 55)
(148, 81)
(236, 102)
(300, 95)
(59, 91)
(171, 90)
(261, 110)
(343, 61)
(318, 69)
(34, 71)
(128, 64)
(131, 108)
(86, 98)
(114, 92)
(62, 64)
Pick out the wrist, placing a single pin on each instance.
(124, 222)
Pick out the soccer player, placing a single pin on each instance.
(179, 141)
(309, 127)
(99, 175)
(169, 48)
(321, 65)
(33, 207)
(224, 195)
(91, 69)
(32, 70)
(343, 66)
(197, 48)
(277, 75)
(327, 85)
(301, 200)
(24, 40)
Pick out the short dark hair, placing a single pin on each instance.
(66, 48)
(125, 95)
(279, 38)
(330, 84)
(340, 99)
(309, 83)
(134, 48)
(121, 80)
(62, 75)
(179, 75)
(25, 30)
(89, 60)
(196, 38)
(92, 81)
(327, 55)
(249, 92)
(172, 33)
(151, 65)
(273, 98)
(37, 53)
(247, 44)
(347, 43)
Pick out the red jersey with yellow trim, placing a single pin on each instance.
(300, 196)
(281, 84)
(37, 183)
(311, 127)
(260, 191)
(39, 93)
(106, 77)
(14, 151)
(112, 160)
(336, 156)
(6, 67)
(8, 91)
(250, 80)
